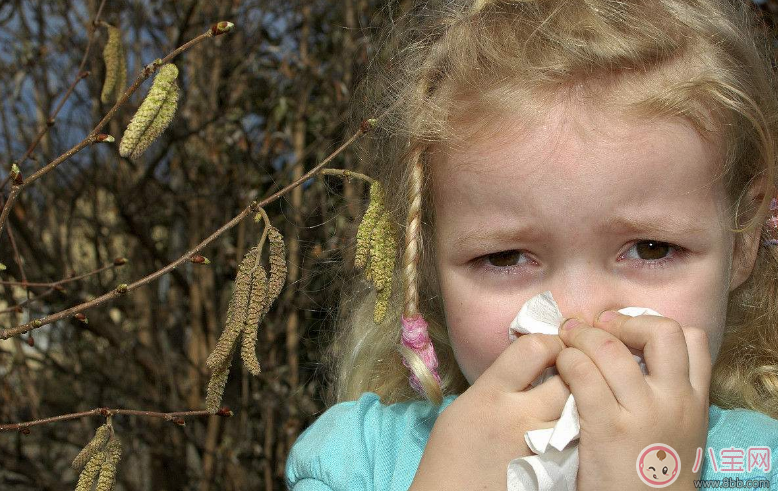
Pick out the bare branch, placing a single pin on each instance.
(176, 417)
(123, 289)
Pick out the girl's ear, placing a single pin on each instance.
(747, 244)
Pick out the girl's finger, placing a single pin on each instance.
(593, 397)
(523, 361)
(661, 340)
(551, 396)
(613, 359)
(700, 362)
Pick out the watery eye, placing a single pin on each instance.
(650, 250)
(642, 254)
(504, 258)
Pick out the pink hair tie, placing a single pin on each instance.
(415, 337)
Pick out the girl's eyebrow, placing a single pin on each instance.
(666, 224)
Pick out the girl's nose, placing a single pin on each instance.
(584, 293)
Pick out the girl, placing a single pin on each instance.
(615, 153)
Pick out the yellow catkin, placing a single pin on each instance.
(87, 477)
(257, 288)
(380, 249)
(254, 314)
(388, 251)
(96, 444)
(215, 391)
(154, 114)
(115, 66)
(369, 269)
(121, 77)
(381, 305)
(383, 246)
(277, 265)
(375, 247)
(242, 311)
(234, 326)
(374, 210)
(163, 119)
(113, 453)
(250, 302)
(237, 310)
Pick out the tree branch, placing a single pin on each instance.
(123, 289)
(176, 417)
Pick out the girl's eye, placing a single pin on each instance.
(504, 258)
(654, 253)
(650, 254)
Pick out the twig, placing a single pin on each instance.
(176, 417)
(18, 307)
(17, 256)
(123, 289)
(18, 259)
(348, 174)
(81, 74)
(55, 284)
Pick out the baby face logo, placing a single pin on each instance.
(658, 465)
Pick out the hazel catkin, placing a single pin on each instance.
(154, 114)
(254, 314)
(216, 386)
(220, 359)
(234, 325)
(381, 305)
(375, 209)
(115, 66)
(113, 453)
(383, 246)
(161, 121)
(95, 445)
(88, 475)
(252, 297)
(382, 252)
(376, 249)
(278, 269)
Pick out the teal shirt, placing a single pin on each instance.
(366, 445)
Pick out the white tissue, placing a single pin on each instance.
(555, 465)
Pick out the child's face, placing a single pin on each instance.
(566, 183)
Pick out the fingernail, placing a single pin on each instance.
(608, 315)
(570, 323)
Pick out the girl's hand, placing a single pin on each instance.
(621, 410)
(475, 438)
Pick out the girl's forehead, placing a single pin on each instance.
(585, 162)
(569, 135)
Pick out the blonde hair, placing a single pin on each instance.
(449, 69)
